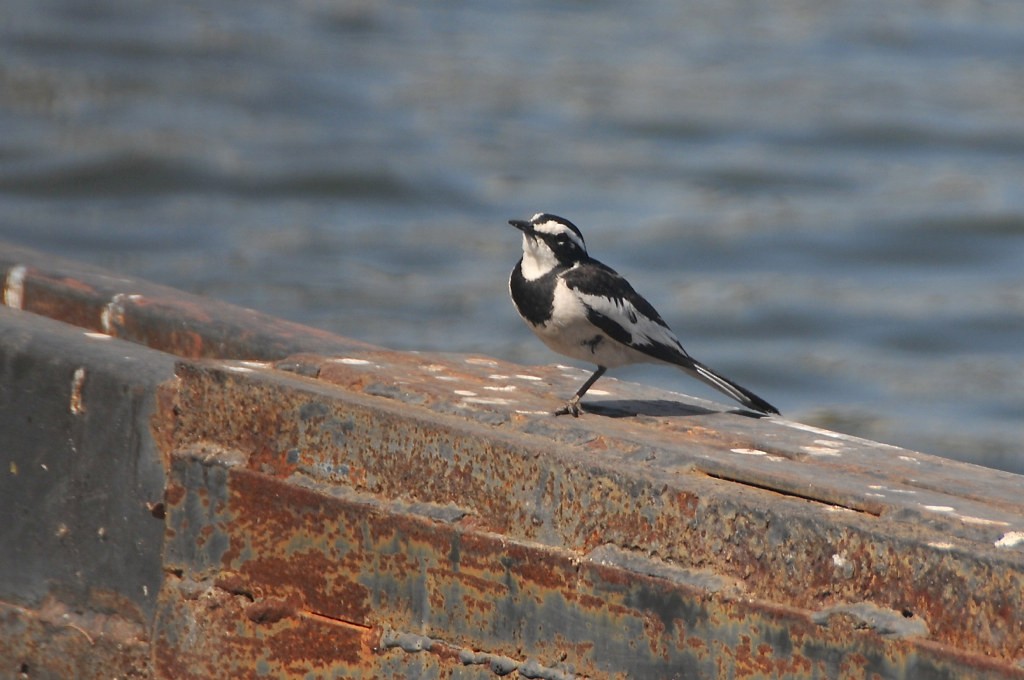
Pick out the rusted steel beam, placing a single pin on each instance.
(149, 314)
(828, 535)
(293, 577)
(332, 507)
(54, 640)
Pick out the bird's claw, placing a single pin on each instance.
(571, 408)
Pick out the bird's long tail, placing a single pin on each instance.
(729, 388)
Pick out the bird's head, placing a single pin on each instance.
(549, 241)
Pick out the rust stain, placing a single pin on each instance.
(230, 636)
(62, 298)
(174, 493)
(273, 609)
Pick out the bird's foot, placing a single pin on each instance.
(571, 408)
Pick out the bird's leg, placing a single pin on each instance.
(572, 407)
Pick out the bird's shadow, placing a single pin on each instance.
(630, 408)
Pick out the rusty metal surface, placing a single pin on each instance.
(149, 314)
(295, 577)
(578, 485)
(334, 509)
(55, 642)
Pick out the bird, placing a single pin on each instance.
(584, 309)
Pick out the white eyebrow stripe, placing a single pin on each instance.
(553, 227)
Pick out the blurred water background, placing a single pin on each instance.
(824, 198)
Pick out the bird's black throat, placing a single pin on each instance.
(533, 299)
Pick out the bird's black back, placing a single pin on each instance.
(596, 278)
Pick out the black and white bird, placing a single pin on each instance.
(583, 309)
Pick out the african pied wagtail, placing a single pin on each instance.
(583, 309)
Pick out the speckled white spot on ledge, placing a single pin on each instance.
(940, 545)
(493, 401)
(1010, 539)
(981, 521)
(349, 361)
(820, 451)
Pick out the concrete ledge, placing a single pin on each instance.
(295, 503)
(81, 468)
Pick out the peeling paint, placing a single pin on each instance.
(113, 315)
(14, 286)
(77, 406)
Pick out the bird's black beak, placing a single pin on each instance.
(522, 225)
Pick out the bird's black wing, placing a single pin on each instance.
(622, 313)
(613, 306)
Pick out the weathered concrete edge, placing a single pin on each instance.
(81, 496)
